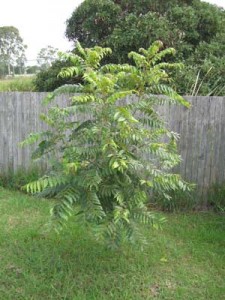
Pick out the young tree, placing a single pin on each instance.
(107, 151)
(12, 48)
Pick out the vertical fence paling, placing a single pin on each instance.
(201, 129)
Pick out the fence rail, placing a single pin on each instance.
(201, 129)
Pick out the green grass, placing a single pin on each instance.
(16, 179)
(17, 84)
(184, 260)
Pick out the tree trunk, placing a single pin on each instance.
(9, 70)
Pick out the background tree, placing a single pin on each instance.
(193, 27)
(12, 49)
(102, 14)
(20, 67)
(90, 17)
(3, 69)
(46, 56)
(34, 69)
(48, 80)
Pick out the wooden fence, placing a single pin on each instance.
(201, 129)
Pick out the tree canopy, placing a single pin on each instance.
(196, 29)
(118, 23)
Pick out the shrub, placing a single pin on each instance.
(48, 80)
(106, 159)
(16, 179)
(216, 197)
(179, 200)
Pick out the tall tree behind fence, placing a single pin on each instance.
(201, 129)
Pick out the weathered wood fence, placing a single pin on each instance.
(201, 129)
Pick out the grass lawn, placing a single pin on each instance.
(184, 260)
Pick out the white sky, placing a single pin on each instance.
(42, 22)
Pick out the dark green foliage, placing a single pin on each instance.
(194, 28)
(32, 69)
(216, 197)
(179, 201)
(195, 21)
(48, 80)
(16, 179)
(107, 153)
(136, 30)
(103, 14)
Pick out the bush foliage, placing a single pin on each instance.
(195, 28)
(216, 197)
(48, 80)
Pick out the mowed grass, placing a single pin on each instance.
(17, 84)
(184, 260)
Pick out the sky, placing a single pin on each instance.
(40, 23)
(43, 22)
